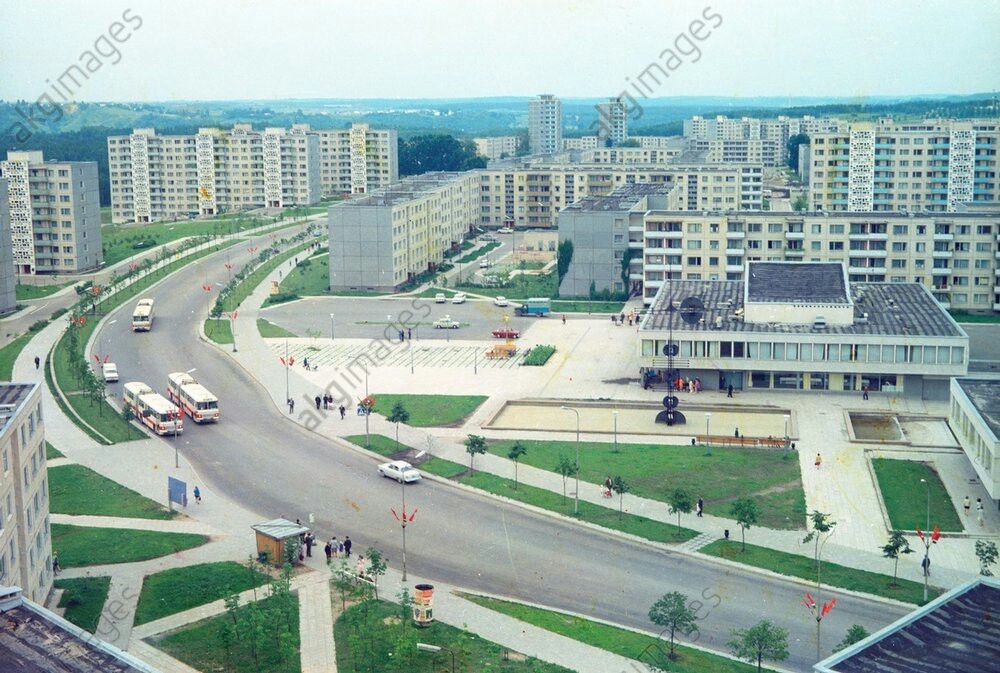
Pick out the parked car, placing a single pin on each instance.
(459, 298)
(501, 301)
(110, 372)
(505, 230)
(484, 264)
(446, 323)
(506, 333)
(400, 470)
(488, 237)
(439, 298)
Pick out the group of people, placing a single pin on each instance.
(326, 402)
(980, 510)
(621, 318)
(405, 336)
(690, 385)
(335, 548)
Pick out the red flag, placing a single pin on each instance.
(395, 516)
(291, 361)
(96, 357)
(827, 607)
(808, 600)
(107, 357)
(936, 535)
(413, 515)
(920, 533)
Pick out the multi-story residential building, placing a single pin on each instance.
(658, 142)
(765, 152)
(358, 160)
(8, 281)
(25, 540)
(612, 121)
(545, 125)
(886, 166)
(55, 214)
(581, 143)
(497, 147)
(777, 131)
(630, 155)
(385, 239)
(802, 326)
(974, 417)
(956, 256)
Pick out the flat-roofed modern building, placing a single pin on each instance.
(892, 166)
(8, 281)
(496, 147)
(388, 238)
(55, 214)
(545, 125)
(25, 539)
(803, 326)
(974, 417)
(357, 160)
(581, 143)
(777, 130)
(612, 121)
(770, 153)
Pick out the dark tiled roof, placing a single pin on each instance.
(621, 199)
(809, 282)
(985, 397)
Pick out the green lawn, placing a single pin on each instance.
(84, 598)
(309, 277)
(121, 242)
(431, 410)
(620, 641)
(369, 638)
(380, 444)
(584, 306)
(521, 287)
(477, 253)
(906, 498)
(596, 514)
(178, 589)
(29, 292)
(9, 355)
(219, 330)
(269, 330)
(75, 489)
(961, 316)
(52, 452)
(106, 215)
(198, 646)
(65, 408)
(655, 470)
(834, 575)
(82, 546)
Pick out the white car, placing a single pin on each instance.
(484, 264)
(445, 323)
(501, 301)
(110, 372)
(439, 298)
(505, 230)
(400, 470)
(458, 298)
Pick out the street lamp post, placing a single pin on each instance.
(708, 433)
(927, 539)
(367, 412)
(424, 647)
(614, 415)
(576, 496)
(787, 418)
(331, 327)
(287, 396)
(402, 491)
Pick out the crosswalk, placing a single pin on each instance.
(383, 354)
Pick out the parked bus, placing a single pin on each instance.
(154, 410)
(192, 397)
(142, 317)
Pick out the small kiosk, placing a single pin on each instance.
(271, 538)
(423, 604)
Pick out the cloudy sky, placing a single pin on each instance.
(265, 49)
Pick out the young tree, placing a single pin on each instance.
(398, 415)
(376, 566)
(680, 503)
(128, 415)
(896, 545)
(855, 634)
(621, 487)
(762, 641)
(517, 450)
(673, 613)
(986, 551)
(566, 469)
(745, 511)
(822, 524)
(474, 444)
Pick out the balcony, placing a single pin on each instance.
(944, 237)
(795, 236)
(996, 289)
(867, 270)
(996, 307)
(736, 252)
(734, 268)
(941, 271)
(942, 254)
(736, 234)
(794, 252)
(869, 236)
(635, 245)
(943, 286)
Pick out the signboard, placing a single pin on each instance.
(177, 491)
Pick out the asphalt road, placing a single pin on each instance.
(261, 460)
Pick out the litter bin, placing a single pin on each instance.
(423, 604)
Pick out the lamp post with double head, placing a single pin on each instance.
(576, 496)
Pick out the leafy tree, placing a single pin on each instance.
(474, 444)
(793, 149)
(673, 613)
(437, 152)
(376, 566)
(855, 634)
(398, 415)
(762, 641)
(127, 415)
(986, 551)
(746, 511)
(564, 255)
(897, 544)
(517, 450)
(621, 487)
(800, 203)
(291, 550)
(628, 142)
(680, 502)
(566, 469)
(821, 524)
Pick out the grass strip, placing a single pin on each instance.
(431, 410)
(84, 546)
(178, 589)
(83, 600)
(78, 490)
(905, 496)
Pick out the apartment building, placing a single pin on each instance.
(612, 121)
(768, 153)
(25, 540)
(777, 131)
(385, 239)
(497, 147)
(887, 166)
(956, 256)
(581, 143)
(658, 142)
(545, 125)
(358, 160)
(55, 214)
(630, 155)
(8, 281)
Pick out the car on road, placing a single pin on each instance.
(445, 323)
(501, 301)
(506, 333)
(439, 298)
(110, 372)
(400, 470)
(459, 298)
(488, 237)
(484, 264)
(505, 230)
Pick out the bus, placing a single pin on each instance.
(152, 409)
(142, 316)
(192, 397)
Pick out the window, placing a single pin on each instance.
(836, 229)
(694, 261)
(694, 227)
(817, 228)
(693, 244)
(836, 245)
(775, 228)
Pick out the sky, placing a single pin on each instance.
(270, 49)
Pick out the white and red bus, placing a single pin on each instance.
(154, 410)
(192, 397)
(142, 316)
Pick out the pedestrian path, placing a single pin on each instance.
(694, 544)
(318, 653)
(161, 525)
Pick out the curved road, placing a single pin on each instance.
(260, 459)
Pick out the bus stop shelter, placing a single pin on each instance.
(272, 535)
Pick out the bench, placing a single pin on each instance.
(727, 441)
(354, 577)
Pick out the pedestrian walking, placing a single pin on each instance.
(343, 412)
(967, 505)
(729, 391)
(328, 550)
(980, 512)
(38, 360)
(347, 546)
(197, 495)
(697, 385)
(606, 491)
(334, 546)
(564, 319)
(55, 564)
(361, 566)
(318, 402)
(310, 541)
(926, 565)
(864, 396)
(701, 505)
(818, 461)
(305, 363)
(409, 334)
(291, 405)
(340, 549)
(629, 319)
(613, 321)
(621, 319)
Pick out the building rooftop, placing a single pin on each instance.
(622, 199)
(402, 191)
(12, 396)
(280, 529)
(957, 632)
(985, 397)
(797, 282)
(891, 308)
